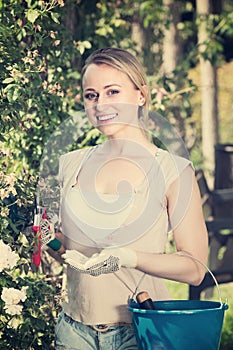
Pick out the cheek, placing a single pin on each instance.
(129, 111)
(90, 112)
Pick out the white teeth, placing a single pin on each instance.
(106, 117)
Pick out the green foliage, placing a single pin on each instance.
(33, 67)
(171, 98)
(225, 24)
(34, 328)
(217, 27)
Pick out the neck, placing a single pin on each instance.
(127, 146)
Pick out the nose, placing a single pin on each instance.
(101, 104)
(100, 107)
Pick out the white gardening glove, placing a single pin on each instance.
(47, 231)
(126, 257)
(75, 259)
(107, 261)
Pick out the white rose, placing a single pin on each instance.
(8, 258)
(13, 309)
(24, 293)
(12, 296)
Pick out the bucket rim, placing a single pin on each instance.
(219, 306)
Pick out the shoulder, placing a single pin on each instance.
(69, 161)
(73, 155)
(172, 165)
(167, 158)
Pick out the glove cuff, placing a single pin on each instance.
(130, 258)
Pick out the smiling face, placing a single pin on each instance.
(111, 100)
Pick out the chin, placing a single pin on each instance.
(110, 129)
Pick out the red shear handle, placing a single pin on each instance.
(36, 255)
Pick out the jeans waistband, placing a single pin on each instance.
(100, 327)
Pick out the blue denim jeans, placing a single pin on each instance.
(72, 335)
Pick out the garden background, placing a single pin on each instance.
(43, 45)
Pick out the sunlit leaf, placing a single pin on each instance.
(8, 80)
(55, 17)
(32, 15)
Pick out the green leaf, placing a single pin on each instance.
(8, 80)
(32, 15)
(8, 87)
(26, 268)
(55, 17)
(12, 94)
(2, 138)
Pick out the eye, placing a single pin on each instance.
(91, 96)
(113, 92)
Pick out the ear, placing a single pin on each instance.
(143, 94)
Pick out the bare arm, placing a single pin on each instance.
(190, 237)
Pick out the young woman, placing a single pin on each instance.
(118, 202)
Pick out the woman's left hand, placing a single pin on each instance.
(107, 261)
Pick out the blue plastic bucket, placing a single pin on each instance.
(179, 325)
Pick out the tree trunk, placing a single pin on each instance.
(138, 36)
(171, 47)
(209, 91)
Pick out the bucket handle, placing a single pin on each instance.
(207, 268)
(195, 259)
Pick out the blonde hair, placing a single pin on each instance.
(126, 63)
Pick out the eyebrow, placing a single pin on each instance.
(105, 87)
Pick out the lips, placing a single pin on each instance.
(103, 118)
